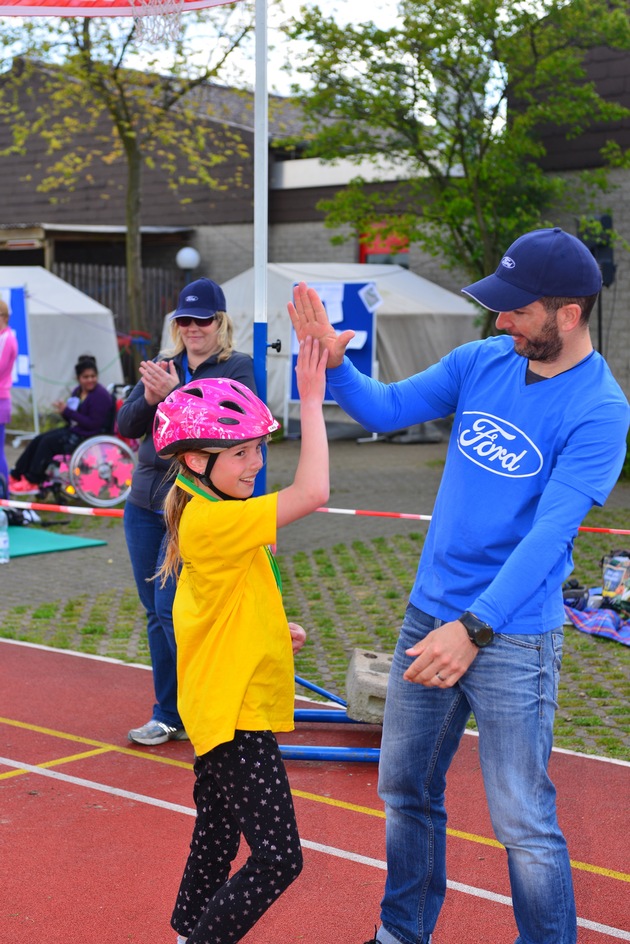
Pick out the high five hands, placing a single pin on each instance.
(309, 319)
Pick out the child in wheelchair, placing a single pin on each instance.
(69, 460)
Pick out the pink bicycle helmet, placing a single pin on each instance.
(209, 414)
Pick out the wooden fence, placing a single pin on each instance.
(108, 285)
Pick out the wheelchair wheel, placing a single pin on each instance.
(101, 470)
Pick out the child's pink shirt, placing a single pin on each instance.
(8, 354)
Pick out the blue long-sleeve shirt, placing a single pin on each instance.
(525, 462)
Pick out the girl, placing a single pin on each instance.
(234, 659)
(202, 346)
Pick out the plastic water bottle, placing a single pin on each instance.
(4, 537)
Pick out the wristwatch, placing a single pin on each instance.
(479, 632)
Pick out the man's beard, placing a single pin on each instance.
(547, 346)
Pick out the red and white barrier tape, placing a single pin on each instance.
(398, 514)
(376, 514)
(64, 509)
(118, 513)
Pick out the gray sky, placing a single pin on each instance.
(345, 11)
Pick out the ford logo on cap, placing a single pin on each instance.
(508, 262)
(192, 298)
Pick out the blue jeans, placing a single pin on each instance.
(511, 687)
(144, 533)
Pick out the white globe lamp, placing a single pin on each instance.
(187, 259)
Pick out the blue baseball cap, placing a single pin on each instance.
(545, 262)
(201, 299)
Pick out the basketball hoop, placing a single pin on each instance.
(157, 21)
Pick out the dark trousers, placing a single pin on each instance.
(242, 788)
(36, 457)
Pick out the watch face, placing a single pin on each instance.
(480, 633)
(483, 636)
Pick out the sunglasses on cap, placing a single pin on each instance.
(185, 320)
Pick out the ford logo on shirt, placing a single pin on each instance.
(498, 446)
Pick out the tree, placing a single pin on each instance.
(101, 98)
(457, 94)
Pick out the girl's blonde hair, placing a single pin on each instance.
(225, 336)
(174, 505)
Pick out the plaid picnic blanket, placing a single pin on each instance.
(600, 623)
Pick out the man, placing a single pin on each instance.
(539, 436)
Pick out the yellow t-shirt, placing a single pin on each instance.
(234, 654)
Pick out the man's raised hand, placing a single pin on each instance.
(309, 319)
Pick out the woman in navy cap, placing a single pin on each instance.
(202, 347)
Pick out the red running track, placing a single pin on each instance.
(95, 832)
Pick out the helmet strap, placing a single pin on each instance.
(207, 481)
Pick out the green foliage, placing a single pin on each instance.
(454, 95)
(625, 471)
(83, 87)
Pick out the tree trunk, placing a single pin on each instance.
(135, 297)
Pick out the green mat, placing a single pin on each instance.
(31, 540)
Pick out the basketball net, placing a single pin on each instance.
(157, 21)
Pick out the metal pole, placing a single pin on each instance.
(359, 755)
(261, 214)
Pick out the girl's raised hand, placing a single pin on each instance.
(310, 370)
(309, 318)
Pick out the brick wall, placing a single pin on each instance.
(308, 242)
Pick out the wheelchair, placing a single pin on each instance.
(99, 470)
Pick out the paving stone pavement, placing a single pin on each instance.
(375, 475)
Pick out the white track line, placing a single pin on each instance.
(307, 844)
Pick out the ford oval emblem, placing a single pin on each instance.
(498, 446)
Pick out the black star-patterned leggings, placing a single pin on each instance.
(241, 788)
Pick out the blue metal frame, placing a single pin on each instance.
(326, 716)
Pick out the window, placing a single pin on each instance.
(385, 250)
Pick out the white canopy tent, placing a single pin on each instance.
(417, 323)
(62, 324)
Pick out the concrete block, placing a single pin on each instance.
(366, 685)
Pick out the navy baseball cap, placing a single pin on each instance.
(545, 262)
(201, 299)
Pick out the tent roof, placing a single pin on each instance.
(47, 294)
(403, 292)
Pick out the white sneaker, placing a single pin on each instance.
(156, 732)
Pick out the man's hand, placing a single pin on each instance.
(298, 636)
(159, 380)
(442, 657)
(309, 318)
